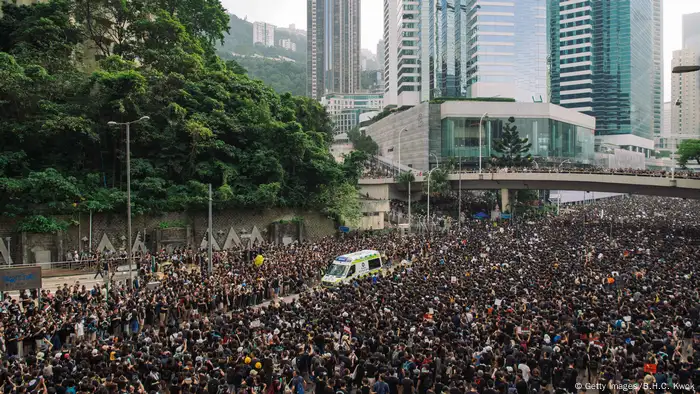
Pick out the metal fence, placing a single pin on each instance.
(62, 268)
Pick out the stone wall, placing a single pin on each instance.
(161, 230)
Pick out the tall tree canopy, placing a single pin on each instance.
(209, 122)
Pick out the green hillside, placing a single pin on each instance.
(282, 76)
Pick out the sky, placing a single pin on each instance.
(285, 12)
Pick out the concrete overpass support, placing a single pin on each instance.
(505, 201)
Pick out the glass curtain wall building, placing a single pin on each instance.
(551, 139)
(469, 48)
(603, 63)
(474, 49)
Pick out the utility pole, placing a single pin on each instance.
(210, 237)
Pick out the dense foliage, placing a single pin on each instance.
(439, 178)
(68, 67)
(512, 151)
(688, 150)
(363, 142)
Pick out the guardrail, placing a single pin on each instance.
(62, 268)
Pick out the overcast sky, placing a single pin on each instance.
(285, 12)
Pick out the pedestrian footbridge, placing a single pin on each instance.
(389, 188)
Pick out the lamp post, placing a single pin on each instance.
(409, 182)
(427, 219)
(539, 192)
(128, 188)
(399, 167)
(9, 251)
(559, 169)
(679, 70)
(459, 196)
(481, 121)
(562, 163)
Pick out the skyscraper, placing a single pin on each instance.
(686, 87)
(390, 52)
(510, 56)
(408, 52)
(333, 52)
(380, 57)
(691, 32)
(658, 73)
(469, 48)
(604, 58)
(685, 95)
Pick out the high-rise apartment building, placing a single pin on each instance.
(333, 53)
(604, 60)
(685, 95)
(686, 87)
(691, 32)
(380, 59)
(390, 52)
(264, 33)
(408, 60)
(288, 44)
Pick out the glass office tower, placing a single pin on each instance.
(604, 63)
(480, 48)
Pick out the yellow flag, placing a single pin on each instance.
(657, 298)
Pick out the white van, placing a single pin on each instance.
(347, 267)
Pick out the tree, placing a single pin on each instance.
(405, 178)
(688, 150)
(439, 181)
(343, 204)
(209, 122)
(353, 165)
(512, 150)
(363, 142)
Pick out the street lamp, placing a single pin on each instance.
(427, 219)
(685, 69)
(400, 132)
(562, 163)
(409, 182)
(128, 188)
(559, 200)
(481, 121)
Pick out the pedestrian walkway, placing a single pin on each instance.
(88, 280)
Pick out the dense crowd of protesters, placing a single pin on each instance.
(606, 294)
(376, 171)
